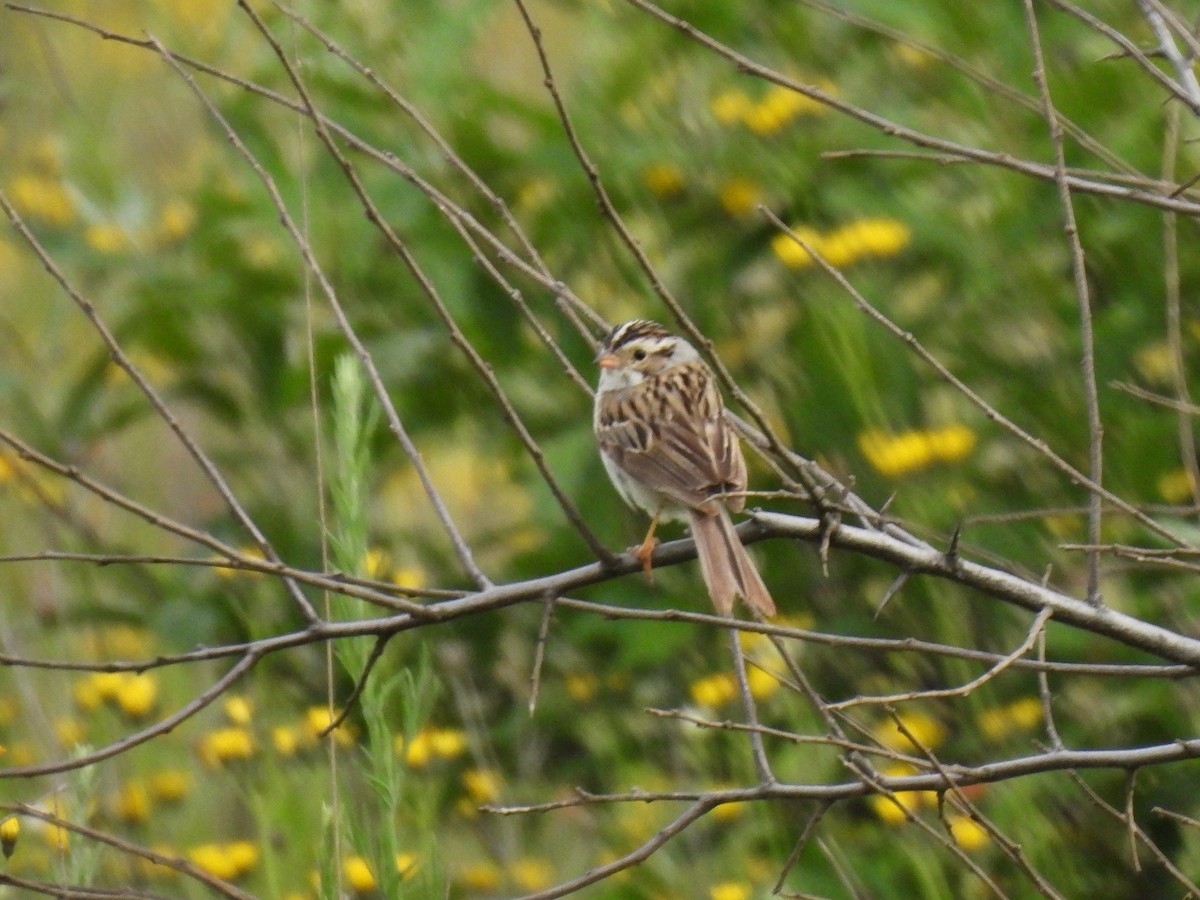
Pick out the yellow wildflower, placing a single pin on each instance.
(213, 859)
(727, 812)
(138, 695)
(925, 729)
(57, 838)
(1155, 362)
(480, 877)
(243, 856)
(413, 577)
(69, 731)
(1176, 486)
(729, 890)
(968, 833)
(108, 685)
(730, 106)
(482, 785)
(10, 831)
(170, 785)
(582, 686)
(358, 875)
(866, 237)
(790, 253)
(448, 743)
(376, 564)
(132, 804)
(42, 197)
(532, 874)
(106, 237)
(739, 196)
(713, 691)
(1020, 715)
(285, 739)
(762, 684)
(406, 864)
(893, 455)
(318, 718)
(238, 709)
(226, 745)
(664, 179)
(175, 221)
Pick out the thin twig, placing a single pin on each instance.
(1035, 630)
(461, 548)
(1083, 297)
(962, 387)
(122, 360)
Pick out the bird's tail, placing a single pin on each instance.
(727, 568)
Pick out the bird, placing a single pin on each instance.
(671, 452)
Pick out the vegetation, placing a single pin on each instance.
(309, 572)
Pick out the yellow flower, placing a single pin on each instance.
(925, 729)
(318, 718)
(713, 691)
(252, 552)
(69, 731)
(448, 743)
(482, 785)
(42, 197)
(532, 874)
(1155, 362)
(285, 740)
(376, 564)
(57, 838)
(238, 709)
(790, 253)
(242, 855)
(480, 877)
(170, 785)
(358, 875)
(739, 196)
(138, 695)
(226, 745)
(866, 237)
(762, 684)
(132, 805)
(175, 221)
(213, 859)
(893, 455)
(10, 830)
(913, 57)
(106, 237)
(730, 106)
(664, 179)
(1020, 715)
(582, 686)
(406, 864)
(108, 685)
(729, 890)
(727, 812)
(1176, 486)
(968, 833)
(413, 577)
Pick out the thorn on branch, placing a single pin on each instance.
(893, 589)
(951, 555)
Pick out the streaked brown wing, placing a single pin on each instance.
(690, 453)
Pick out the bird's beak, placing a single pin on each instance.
(607, 361)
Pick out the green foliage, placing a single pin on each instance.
(170, 234)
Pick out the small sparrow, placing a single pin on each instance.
(670, 452)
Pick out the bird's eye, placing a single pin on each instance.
(639, 354)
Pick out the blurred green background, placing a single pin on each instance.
(157, 220)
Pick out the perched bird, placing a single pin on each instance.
(670, 452)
